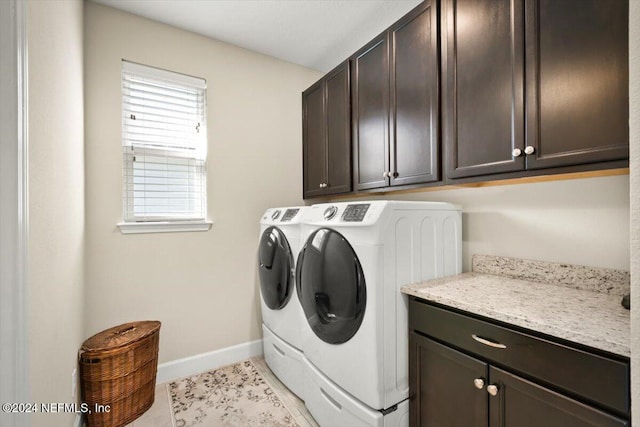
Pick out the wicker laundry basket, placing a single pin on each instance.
(118, 370)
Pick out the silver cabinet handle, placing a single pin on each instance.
(385, 174)
(479, 383)
(493, 389)
(320, 185)
(488, 342)
(516, 152)
(323, 185)
(529, 149)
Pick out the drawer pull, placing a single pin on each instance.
(488, 342)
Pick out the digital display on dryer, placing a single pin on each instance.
(289, 214)
(355, 213)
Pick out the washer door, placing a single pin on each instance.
(275, 268)
(331, 286)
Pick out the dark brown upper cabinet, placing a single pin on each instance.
(370, 114)
(483, 73)
(326, 140)
(395, 116)
(575, 59)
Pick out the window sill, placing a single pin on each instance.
(163, 226)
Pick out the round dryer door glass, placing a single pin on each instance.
(331, 286)
(275, 268)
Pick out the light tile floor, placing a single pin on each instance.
(161, 415)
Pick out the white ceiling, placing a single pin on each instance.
(317, 34)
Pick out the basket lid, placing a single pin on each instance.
(121, 335)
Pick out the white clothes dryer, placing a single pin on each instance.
(356, 257)
(282, 315)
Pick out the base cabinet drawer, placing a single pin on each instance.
(469, 372)
(451, 389)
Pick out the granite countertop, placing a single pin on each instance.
(575, 303)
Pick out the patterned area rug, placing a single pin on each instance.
(234, 395)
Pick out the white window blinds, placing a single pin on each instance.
(164, 141)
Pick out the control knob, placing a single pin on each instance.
(330, 212)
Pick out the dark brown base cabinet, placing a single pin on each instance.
(472, 386)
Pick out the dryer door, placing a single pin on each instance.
(275, 268)
(331, 286)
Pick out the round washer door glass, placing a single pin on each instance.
(275, 268)
(331, 286)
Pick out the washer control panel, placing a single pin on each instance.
(289, 214)
(275, 214)
(355, 213)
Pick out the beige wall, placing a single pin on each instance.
(201, 285)
(580, 221)
(634, 130)
(56, 201)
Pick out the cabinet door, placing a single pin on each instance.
(370, 115)
(524, 404)
(442, 392)
(414, 97)
(483, 60)
(313, 141)
(577, 81)
(338, 131)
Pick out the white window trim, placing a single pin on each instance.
(166, 225)
(163, 226)
(171, 76)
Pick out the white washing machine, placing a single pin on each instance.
(282, 316)
(355, 258)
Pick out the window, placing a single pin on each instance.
(164, 142)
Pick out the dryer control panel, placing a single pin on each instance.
(355, 213)
(349, 214)
(289, 214)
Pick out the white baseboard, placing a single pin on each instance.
(191, 365)
(78, 421)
